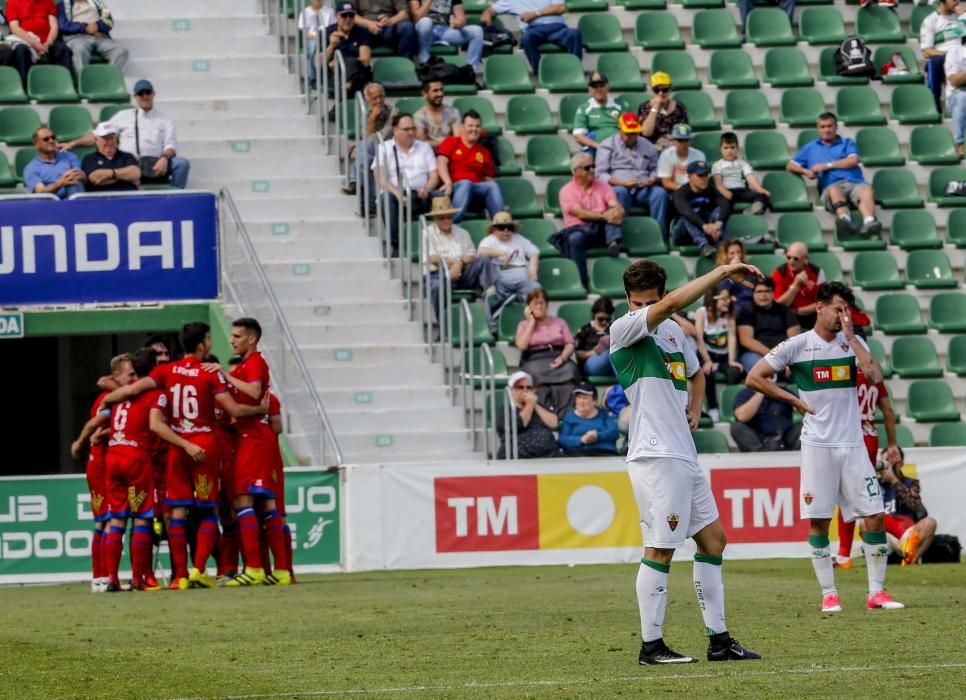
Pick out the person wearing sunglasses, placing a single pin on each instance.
(593, 342)
(513, 264)
(797, 283)
(596, 119)
(86, 28)
(661, 113)
(534, 422)
(53, 172)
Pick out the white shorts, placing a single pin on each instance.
(674, 498)
(842, 475)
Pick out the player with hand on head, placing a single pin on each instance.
(663, 381)
(835, 465)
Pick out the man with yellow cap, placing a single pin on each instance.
(661, 113)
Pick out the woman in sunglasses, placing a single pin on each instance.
(661, 113)
(593, 342)
(717, 340)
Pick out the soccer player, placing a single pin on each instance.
(835, 464)
(663, 381)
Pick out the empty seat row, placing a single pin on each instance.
(17, 124)
(925, 269)
(50, 84)
(898, 313)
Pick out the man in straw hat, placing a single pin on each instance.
(513, 262)
(449, 245)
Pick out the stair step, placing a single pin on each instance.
(370, 312)
(326, 204)
(194, 44)
(264, 188)
(408, 446)
(203, 85)
(297, 244)
(335, 291)
(340, 356)
(245, 106)
(200, 28)
(262, 164)
(204, 64)
(395, 420)
(350, 271)
(127, 10)
(239, 128)
(388, 333)
(362, 378)
(380, 396)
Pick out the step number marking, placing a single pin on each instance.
(181, 25)
(200, 66)
(362, 397)
(241, 146)
(279, 229)
(301, 269)
(383, 440)
(261, 186)
(343, 355)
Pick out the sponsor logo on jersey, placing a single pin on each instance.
(672, 521)
(808, 497)
(833, 373)
(676, 370)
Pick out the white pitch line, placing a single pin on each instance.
(643, 676)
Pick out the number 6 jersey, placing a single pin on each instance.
(191, 395)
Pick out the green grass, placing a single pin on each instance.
(480, 633)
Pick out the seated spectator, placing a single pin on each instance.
(534, 422)
(734, 178)
(449, 245)
(389, 24)
(379, 114)
(404, 156)
(591, 213)
(763, 424)
(628, 164)
(354, 41)
(53, 172)
(906, 518)
(702, 212)
(834, 162)
(717, 344)
(672, 165)
(435, 122)
(597, 119)
(618, 407)
(586, 430)
(444, 22)
(110, 169)
(662, 113)
(547, 353)
(541, 22)
(34, 35)
(797, 283)
(593, 341)
(730, 252)
(513, 264)
(312, 21)
(467, 170)
(746, 6)
(86, 28)
(938, 33)
(764, 325)
(954, 67)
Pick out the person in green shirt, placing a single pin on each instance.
(597, 119)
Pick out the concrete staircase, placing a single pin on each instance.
(221, 76)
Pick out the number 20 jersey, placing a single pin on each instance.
(191, 395)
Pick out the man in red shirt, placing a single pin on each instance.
(467, 170)
(797, 283)
(35, 35)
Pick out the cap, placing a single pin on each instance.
(681, 132)
(517, 376)
(586, 389)
(660, 79)
(698, 167)
(105, 129)
(629, 123)
(598, 77)
(142, 85)
(346, 7)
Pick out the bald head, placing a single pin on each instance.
(797, 256)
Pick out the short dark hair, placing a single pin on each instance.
(766, 282)
(212, 357)
(471, 114)
(428, 83)
(398, 117)
(234, 360)
(155, 339)
(643, 275)
(250, 325)
(602, 304)
(830, 290)
(538, 292)
(826, 116)
(144, 361)
(729, 138)
(192, 335)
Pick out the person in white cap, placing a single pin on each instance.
(534, 422)
(110, 169)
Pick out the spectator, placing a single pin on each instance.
(86, 28)
(746, 6)
(34, 35)
(619, 408)
(53, 172)
(702, 212)
(514, 262)
(593, 341)
(586, 430)
(938, 33)
(764, 325)
(389, 24)
(110, 169)
(797, 283)
(592, 215)
(541, 22)
(662, 113)
(672, 165)
(597, 119)
(354, 40)
(763, 424)
(444, 21)
(379, 115)
(534, 422)
(834, 162)
(905, 516)
(730, 252)
(955, 71)
(467, 170)
(734, 178)
(628, 164)
(404, 161)
(313, 19)
(547, 353)
(717, 343)
(449, 245)
(435, 122)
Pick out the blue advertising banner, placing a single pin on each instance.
(137, 248)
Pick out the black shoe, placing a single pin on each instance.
(613, 249)
(112, 588)
(707, 250)
(657, 652)
(724, 647)
(349, 189)
(844, 226)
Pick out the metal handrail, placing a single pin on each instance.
(488, 375)
(362, 150)
(322, 85)
(342, 117)
(512, 449)
(466, 358)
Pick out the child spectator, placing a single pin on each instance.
(312, 21)
(593, 340)
(735, 179)
(586, 430)
(717, 340)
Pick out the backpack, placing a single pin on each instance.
(945, 549)
(494, 36)
(438, 69)
(489, 142)
(854, 59)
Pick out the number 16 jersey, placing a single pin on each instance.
(191, 395)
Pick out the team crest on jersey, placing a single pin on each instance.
(808, 497)
(672, 521)
(135, 499)
(844, 346)
(118, 436)
(203, 488)
(671, 339)
(186, 424)
(96, 500)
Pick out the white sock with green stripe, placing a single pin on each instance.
(876, 558)
(709, 587)
(652, 598)
(822, 563)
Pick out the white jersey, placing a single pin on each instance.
(825, 374)
(940, 32)
(653, 368)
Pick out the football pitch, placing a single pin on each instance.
(482, 633)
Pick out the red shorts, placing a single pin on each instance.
(130, 485)
(188, 482)
(159, 465)
(872, 445)
(256, 471)
(97, 487)
(280, 493)
(896, 525)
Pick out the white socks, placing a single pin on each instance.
(709, 587)
(876, 558)
(652, 598)
(822, 563)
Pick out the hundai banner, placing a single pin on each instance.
(137, 248)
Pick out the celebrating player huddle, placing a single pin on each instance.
(179, 436)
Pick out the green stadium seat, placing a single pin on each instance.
(20, 160)
(631, 100)
(830, 264)
(510, 318)
(500, 370)
(769, 26)
(748, 109)
(800, 227)
(539, 232)
(17, 125)
(876, 269)
(826, 70)
(529, 114)
(914, 357)
(551, 200)
(931, 400)
(567, 109)
(710, 442)
(575, 313)
(859, 106)
(766, 150)
(750, 229)
(938, 179)
(806, 136)
(394, 72)
(895, 188)
(586, 5)
(607, 277)
(855, 241)
(50, 83)
(786, 66)
(947, 435)
(642, 4)
(904, 438)
(932, 145)
(766, 262)
(914, 229)
(620, 309)
(956, 228)
(821, 25)
(898, 314)
(701, 4)
(912, 104)
(547, 155)
(11, 87)
(703, 266)
(701, 114)
(561, 280)
(477, 229)
(677, 273)
(680, 66)
(7, 177)
(709, 143)
(879, 353)
(883, 55)
(930, 269)
(878, 146)
(484, 107)
(919, 13)
(622, 70)
(70, 122)
(732, 68)
(727, 402)
(601, 32)
(520, 197)
(102, 82)
(561, 72)
(715, 29)
(799, 106)
(788, 192)
(481, 328)
(108, 111)
(947, 312)
(509, 167)
(657, 31)
(956, 355)
(411, 105)
(507, 75)
(642, 237)
(877, 24)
